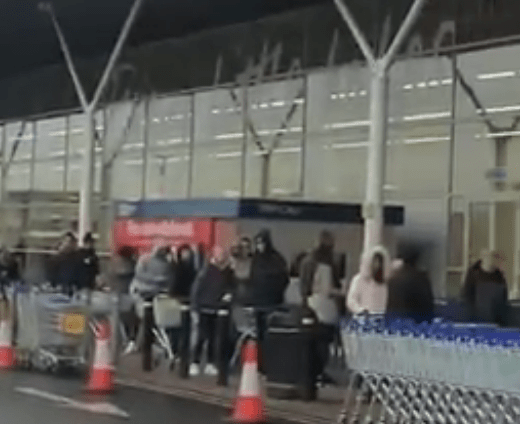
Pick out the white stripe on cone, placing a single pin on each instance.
(249, 384)
(102, 356)
(5, 334)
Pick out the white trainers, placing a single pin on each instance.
(211, 370)
(131, 347)
(194, 370)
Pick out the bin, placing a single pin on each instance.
(289, 349)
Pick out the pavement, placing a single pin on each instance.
(204, 389)
(40, 398)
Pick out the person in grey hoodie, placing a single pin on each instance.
(154, 274)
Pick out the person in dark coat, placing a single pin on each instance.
(185, 273)
(410, 292)
(485, 291)
(64, 268)
(89, 264)
(269, 274)
(320, 289)
(208, 292)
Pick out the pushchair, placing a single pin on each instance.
(167, 317)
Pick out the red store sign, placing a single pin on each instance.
(141, 234)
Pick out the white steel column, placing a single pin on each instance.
(374, 203)
(379, 67)
(87, 186)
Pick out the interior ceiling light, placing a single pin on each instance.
(354, 145)
(230, 136)
(496, 75)
(426, 140)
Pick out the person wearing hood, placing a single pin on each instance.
(64, 268)
(154, 272)
(153, 275)
(368, 292)
(410, 292)
(89, 263)
(485, 290)
(185, 273)
(269, 274)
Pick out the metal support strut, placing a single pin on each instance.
(379, 67)
(87, 186)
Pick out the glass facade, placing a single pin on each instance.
(304, 137)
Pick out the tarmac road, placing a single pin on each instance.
(27, 398)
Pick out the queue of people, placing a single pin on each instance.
(254, 274)
(74, 268)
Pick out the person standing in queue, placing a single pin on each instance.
(368, 292)
(89, 263)
(268, 283)
(153, 275)
(320, 289)
(410, 294)
(64, 268)
(185, 273)
(485, 290)
(211, 286)
(241, 261)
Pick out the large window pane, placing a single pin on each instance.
(276, 110)
(49, 161)
(76, 148)
(217, 162)
(492, 76)
(18, 150)
(337, 122)
(419, 137)
(125, 127)
(168, 147)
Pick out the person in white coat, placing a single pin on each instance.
(368, 292)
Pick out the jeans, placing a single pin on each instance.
(206, 333)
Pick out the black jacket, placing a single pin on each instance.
(210, 286)
(88, 262)
(64, 270)
(410, 295)
(269, 276)
(485, 295)
(185, 274)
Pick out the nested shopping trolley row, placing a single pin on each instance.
(405, 372)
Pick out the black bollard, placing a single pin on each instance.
(184, 348)
(147, 335)
(222, 346)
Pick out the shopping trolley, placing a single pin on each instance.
(431, 373)
(51, 328)
(167, 313)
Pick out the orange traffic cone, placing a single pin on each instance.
(249, 406)
(7, 355)
(101, 378)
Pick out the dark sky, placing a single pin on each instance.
(91, 26)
